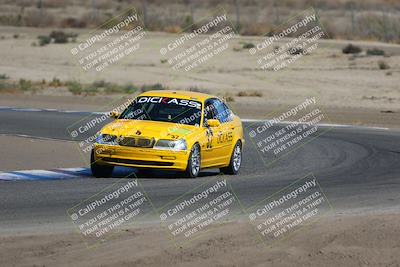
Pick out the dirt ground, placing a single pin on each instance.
(340, 240)
(350, 91)
(335, 79)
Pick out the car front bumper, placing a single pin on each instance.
(140, 157)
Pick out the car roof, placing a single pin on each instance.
(179, 94)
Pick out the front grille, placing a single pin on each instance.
(144, 142)
(138, 162)
(108, 138)
(127, 141)
(136, 142)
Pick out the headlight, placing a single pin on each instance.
(107, 139)
(176, 145)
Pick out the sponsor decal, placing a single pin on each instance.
(169, 101)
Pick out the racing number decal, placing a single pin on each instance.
(173, 136)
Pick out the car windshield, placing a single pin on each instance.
(155, 108)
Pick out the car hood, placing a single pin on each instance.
(158, 130)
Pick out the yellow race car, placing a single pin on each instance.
(171, 130)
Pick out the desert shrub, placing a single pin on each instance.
(100, 83)
(24, 85)
(74, 87)
(6, 86)
(375, 52)
(248, 45)
(150, 87)
(252, 93)
(129, 88)
(383, 65)
(163, 61)
(44, 40)
(3, 76)
(229, 98)
(16, 36)
(90, 90)
(351, 49)
(59, 37)
(257, 94)
(295, 51)
(55, 82)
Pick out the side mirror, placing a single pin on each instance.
(213, 123)
(114, 114)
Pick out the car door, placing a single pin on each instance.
(218, 138)
(208, 140)
(224, 132)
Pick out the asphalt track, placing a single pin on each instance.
(357, 167)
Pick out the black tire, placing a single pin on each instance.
(100, 171)
(191, 170)
(234, 163)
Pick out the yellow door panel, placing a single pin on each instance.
(219, 146)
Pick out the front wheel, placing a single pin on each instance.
(100, 171)
(236, 160)
(194, 162)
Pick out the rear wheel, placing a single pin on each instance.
(236, 160)
(100, 171)
(194, 162)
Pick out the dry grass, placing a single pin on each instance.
(251, 93)
(20, 86)
(227, 97)
(373, 19)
